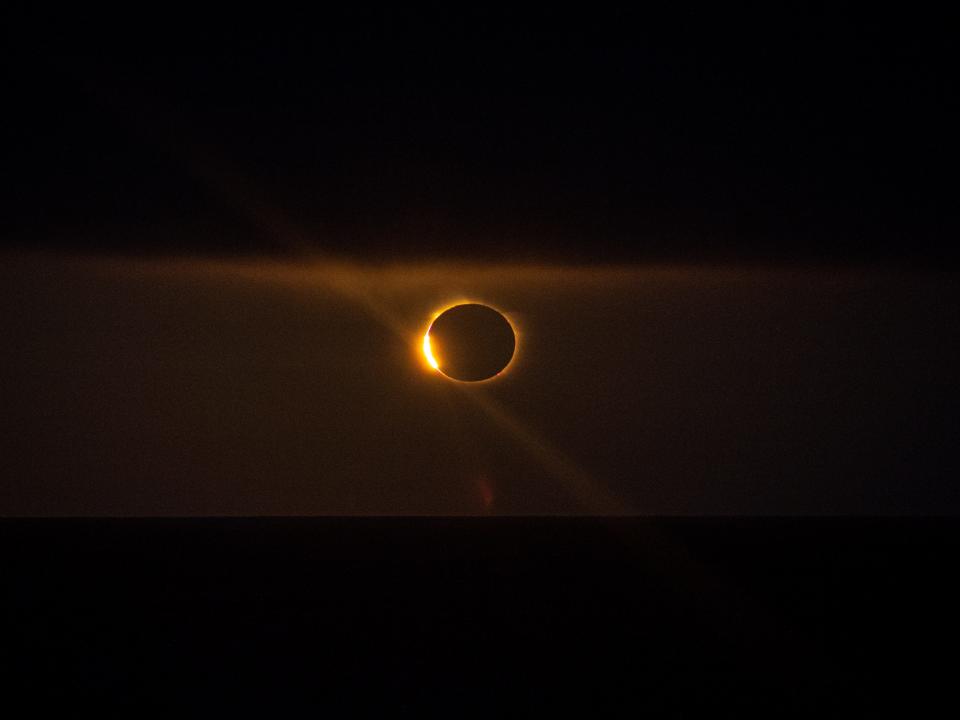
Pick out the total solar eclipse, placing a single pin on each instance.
(470, 342)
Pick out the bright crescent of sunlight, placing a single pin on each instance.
(428, 352)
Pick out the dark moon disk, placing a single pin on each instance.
(471, 342)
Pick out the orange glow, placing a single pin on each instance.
(428, 352)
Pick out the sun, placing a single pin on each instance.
(469, 342)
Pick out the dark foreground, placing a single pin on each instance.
(671, 615)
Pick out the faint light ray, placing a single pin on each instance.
(352, 285)
(350, 282)
(574, 479)
(202, 156)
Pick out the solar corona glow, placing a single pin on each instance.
(469, 342)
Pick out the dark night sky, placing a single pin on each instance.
(752, 133)
(724, 235)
